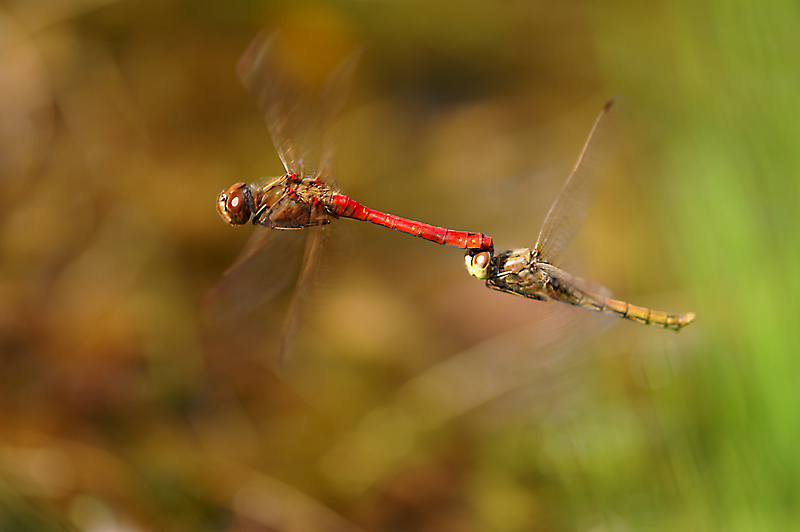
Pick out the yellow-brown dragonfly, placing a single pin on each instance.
(531, 273)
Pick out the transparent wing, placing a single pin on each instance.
(580, 284)
(537, 367)
(333, 97)
(285, 101)
(569, 209)
(305, 281)
(266, 265)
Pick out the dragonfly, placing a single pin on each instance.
(531, 273)
(303, 129)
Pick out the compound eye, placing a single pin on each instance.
(235, 202)
(479, 264)
(232, 205)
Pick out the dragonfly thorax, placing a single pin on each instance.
(271, 193)
(291, 202)
(517, 271)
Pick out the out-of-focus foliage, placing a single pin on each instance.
(417, 399)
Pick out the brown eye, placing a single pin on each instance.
(233, 205)
(235, 202)
(479, 264)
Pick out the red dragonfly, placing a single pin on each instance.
(306, 196)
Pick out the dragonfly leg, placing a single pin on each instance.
(257, 214)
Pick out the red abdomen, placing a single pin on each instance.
(341, 205)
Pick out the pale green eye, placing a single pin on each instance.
(478, 264)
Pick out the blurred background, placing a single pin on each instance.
(415, 399)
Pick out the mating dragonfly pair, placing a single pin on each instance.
(307, 197)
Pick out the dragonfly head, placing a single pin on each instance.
(479, 263)
(236, 205)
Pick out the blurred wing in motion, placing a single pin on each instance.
(568, 211)
(542, 359)
(266, 265)
(305, 281)
(286, 103)
(333, 97)
(303, 127)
